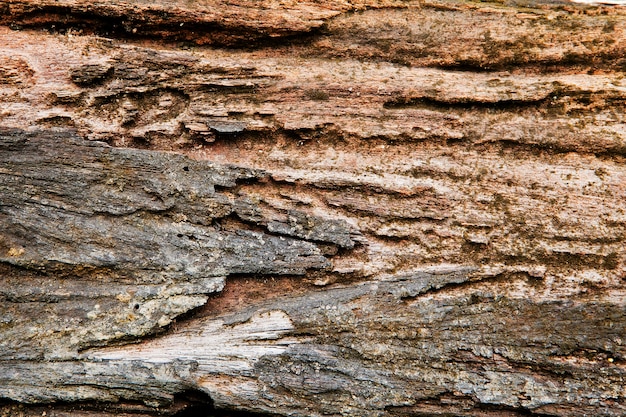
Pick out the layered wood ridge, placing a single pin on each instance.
(358, 208)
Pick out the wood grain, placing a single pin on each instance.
(312, 208)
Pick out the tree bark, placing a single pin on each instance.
(357, 208)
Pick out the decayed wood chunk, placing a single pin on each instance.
(150, 245)
(360, 208)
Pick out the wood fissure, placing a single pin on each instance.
(355, 208)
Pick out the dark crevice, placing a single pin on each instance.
(193, 403)
(463, 104)
(557, 103)
(235, 413)
(519, 411)
(580, 62)
(126, 408)
(151, 24)
(242, 181)
(228, 89)
(189, 403)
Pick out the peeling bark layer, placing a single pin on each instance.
(358, 208)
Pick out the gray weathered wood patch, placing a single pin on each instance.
(100, 243)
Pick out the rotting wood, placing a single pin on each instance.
(329, 218)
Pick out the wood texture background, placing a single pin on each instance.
(312, 208)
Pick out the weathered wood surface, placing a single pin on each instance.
(312, 208)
